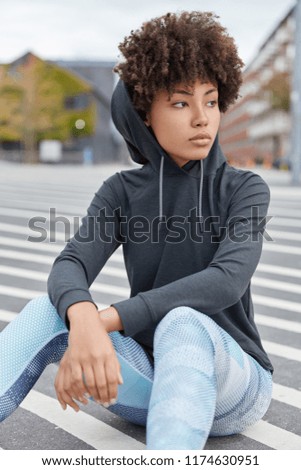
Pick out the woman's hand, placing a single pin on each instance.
(89, 366)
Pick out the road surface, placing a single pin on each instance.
(39, 423)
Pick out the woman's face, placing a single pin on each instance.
(186, 123)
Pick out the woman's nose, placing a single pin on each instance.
(200, 118)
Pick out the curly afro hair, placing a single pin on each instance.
(179, 48)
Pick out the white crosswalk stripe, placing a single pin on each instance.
(38, 276)
(273, 436)
(92, 431)
(273, 322)
(276, 278)
(277, 303)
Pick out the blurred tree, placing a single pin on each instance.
(278, 90)
(39, 100)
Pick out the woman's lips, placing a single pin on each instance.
(201, 136)
(201, 140)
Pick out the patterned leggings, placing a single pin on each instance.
(202, 384)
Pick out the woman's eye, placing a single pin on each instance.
(180, 104)
(212, 103)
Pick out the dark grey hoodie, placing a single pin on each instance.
(191, 236)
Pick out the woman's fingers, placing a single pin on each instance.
(101, 383)
(77, 386)
(58, 385)
(113, 379)
(120, 379)
(62, 388)
(102, 379)
(90, 383)
(68, 400)
(112, 383)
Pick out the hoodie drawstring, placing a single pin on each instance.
(200, 212)
(161, 189)
(201, 195)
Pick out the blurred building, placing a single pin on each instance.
(66, 101)
(105, 143)
(256, 129)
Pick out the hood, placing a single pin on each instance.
(144, 147)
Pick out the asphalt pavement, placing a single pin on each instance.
(40, 423)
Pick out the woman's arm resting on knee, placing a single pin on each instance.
(90, 365)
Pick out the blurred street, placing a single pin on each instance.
(29, 191)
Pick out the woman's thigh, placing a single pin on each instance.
(240, 389)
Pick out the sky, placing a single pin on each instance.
(92, 29)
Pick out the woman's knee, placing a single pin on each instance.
(42, 311)
(183, 312)
(42, 301)
(181, 320)
(183, 340)
(183, 315)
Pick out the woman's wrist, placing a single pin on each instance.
(80, 311)
(84, 312)
(111, 319)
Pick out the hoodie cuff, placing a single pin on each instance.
(71, 298)
(134, 314)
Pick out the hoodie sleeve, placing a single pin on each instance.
(225, 279)
(77, 266)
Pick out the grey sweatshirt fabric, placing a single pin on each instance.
(191, 236)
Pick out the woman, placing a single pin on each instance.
(182, 355)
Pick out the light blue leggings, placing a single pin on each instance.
(202, 383)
